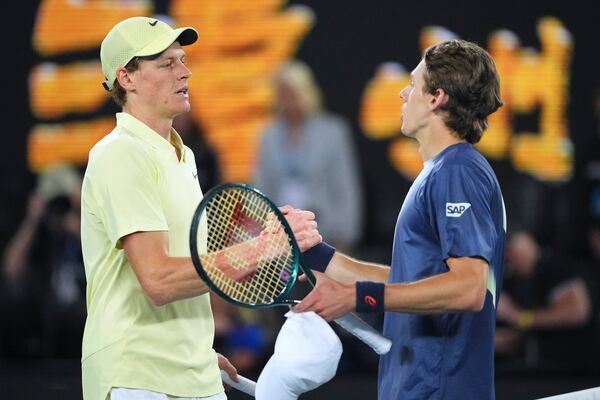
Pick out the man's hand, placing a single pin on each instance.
(508, 311)
(303, 226)
(240, 261)
(36, 206)
(226, 366)
(507, 340)
(329, 298)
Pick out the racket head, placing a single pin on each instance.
(234, 213)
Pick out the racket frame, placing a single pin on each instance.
(282, 299)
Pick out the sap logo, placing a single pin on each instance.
(456, 209)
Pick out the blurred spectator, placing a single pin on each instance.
(594, 246)
(591, 174)
(307, 159)
(207, 162)
(545, 310)
(592, 265)
(43, 272)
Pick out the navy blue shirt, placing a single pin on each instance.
(453, 209)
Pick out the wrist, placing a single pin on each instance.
(318, 257)
(370, 296)
(32, 220)
(525, 319)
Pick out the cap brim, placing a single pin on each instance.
(185, 36)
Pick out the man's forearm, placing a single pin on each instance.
(172, 279)
(462, 288)
(346, 269)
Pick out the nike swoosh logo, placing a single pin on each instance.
(153, 23)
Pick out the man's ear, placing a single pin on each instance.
(125, 79)
(438, 99)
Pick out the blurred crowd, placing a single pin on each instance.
(547, 317)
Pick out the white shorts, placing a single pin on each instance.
(140, 394)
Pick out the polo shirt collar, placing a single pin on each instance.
(150, 136)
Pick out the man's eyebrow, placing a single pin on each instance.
(173, 57)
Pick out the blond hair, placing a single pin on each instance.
(300, 78)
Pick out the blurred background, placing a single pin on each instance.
(325, 74)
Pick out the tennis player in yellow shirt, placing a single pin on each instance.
(149, 331)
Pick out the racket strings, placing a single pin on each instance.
(223, 233)
(239, 216)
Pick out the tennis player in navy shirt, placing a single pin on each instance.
(440, 292)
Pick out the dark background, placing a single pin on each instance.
(349, 40)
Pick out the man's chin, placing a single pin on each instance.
(406, 132)
(183, 109)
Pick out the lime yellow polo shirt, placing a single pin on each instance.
(135, 182)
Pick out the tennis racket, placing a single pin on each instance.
(245, 385)
(243, 248)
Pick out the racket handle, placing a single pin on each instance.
(245, 385)
(365, 332)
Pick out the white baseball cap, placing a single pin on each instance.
(138, 37)
(307, 353)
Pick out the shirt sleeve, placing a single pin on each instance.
(459, 209)
(128, 192)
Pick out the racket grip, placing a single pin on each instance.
(245, 385)
(365, 332)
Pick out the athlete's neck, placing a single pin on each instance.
(434, 141)
(160, 125)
